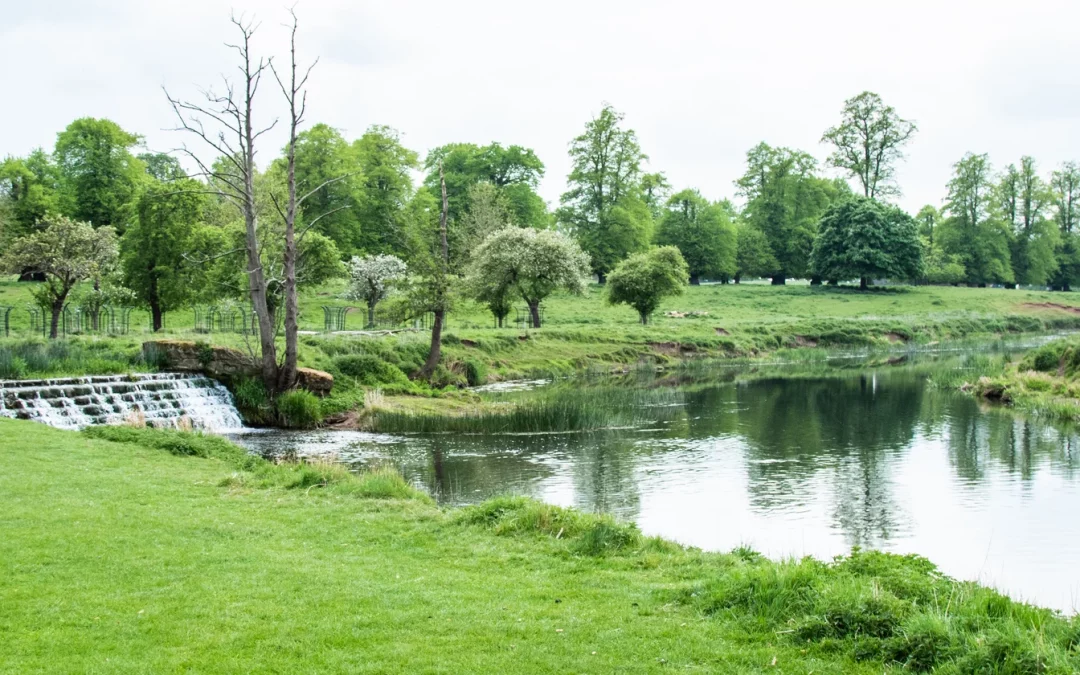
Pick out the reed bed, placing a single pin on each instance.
(557, 410)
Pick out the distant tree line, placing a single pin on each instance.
(178, 234)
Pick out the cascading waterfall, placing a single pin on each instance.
(161, 399)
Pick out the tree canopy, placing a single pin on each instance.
(972, 232)
(865, 239)
(703, 234)
(868, 143)
(515, 172)
(161, 257)
(644, 279)
(531, 263)
(603, 204)
(785, 199)
(99, 177)
(66, 252)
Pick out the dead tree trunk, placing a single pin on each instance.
(297, 99)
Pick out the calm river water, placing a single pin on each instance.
(791, 466)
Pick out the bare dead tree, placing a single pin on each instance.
(233, 139)
(439, 290)
(296, 96)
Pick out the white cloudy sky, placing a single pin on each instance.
(701, 82)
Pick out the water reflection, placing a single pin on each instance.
(803, 465)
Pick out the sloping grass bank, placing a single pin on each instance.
(143, 551)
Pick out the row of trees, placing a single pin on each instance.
(226, 227)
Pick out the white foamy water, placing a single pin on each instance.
(162, 399)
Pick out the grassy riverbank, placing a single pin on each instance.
(580, 334)
(160, 552)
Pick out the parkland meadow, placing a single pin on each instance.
(125, 550)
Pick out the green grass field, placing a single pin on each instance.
(728, 306)
(118, 557)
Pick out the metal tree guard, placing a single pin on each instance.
(524, 316)
(73, 320)
(37, 320)
(204, 319)
(334, 317)
(5, 319)
(114, 320)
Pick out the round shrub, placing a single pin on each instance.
(298, 409)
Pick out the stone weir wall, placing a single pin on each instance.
(223, 363)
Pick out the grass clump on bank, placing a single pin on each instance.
(1045, 381)
(120, 550)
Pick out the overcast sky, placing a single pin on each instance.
(700, 82)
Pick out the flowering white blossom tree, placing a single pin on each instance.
(371, 278)
(533, 263)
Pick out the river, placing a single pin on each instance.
(789, 463)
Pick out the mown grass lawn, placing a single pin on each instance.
(116, 558)
(120, 558)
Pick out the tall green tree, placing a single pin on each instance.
(1023, 202)
(754, 257)
(972, 231)
(868, 143)
(703, 234)
(30, 186)
(488, 211)
(327, 168)
(162, 167)
(785, 199)
(928, 218)
(1065, 196)
(603, 206)
(865, 239)
(514, 170)
(99, 176)
(655, 191)
(385, 189)
(162, 260)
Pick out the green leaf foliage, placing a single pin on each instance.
(703, 234)
(527, 263)
(604, 205)
(865, 239)
(785, 199)
(99, 177)
(644, 279)
(160, 254)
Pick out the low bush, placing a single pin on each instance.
(369, 370)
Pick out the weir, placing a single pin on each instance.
(161, 399)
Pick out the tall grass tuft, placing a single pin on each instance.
(298, 409)
(586, 534)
